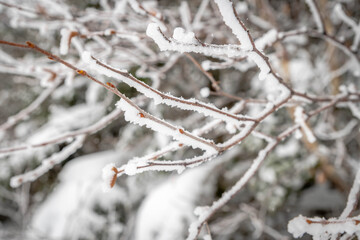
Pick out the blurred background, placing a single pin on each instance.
(50, 113)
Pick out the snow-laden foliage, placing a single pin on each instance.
(205, 119)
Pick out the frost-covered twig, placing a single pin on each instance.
(247, 47)
(204, 216)
(159, 97)
(339, 134)
(316, 15)
(258, 223)
(212, 50)
(24, 113)
(48, 163)
(355, 27)
(195, 228)
(135, 114)
(103, 122)
(353, 197)
(300, 119)
(320, 228)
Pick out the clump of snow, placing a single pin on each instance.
(231, 128)
(200, 210)
(206, 65)
(165, 44)
(153, 31)
(130, 168)
(205, 92)
(297, 226)
(242, 7)
(86, 57)
(65, 41)
(182, 36)
(267, 174)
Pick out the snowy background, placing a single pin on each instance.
(218, 134)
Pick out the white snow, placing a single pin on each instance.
(300, 119)
(349, 21)
(68, 211)
(234, 189)
(65, 41)
(159, 97)
(165, 44)
(182, 36)
(267, 174)
(268, 39)
(131, 168)
(109, 32)
(48, 163)
(133, 115)
(205, 92)
(168, 209)
(353, 197)
(261, 63)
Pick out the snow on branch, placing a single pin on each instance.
(103, 122)
(168, 44)
(353, 197)
(195, 227)
(230, 18)
(320, 228)
(133, 115)
(139, 166)
(159, 97)
(248, 47)
(350, 22)
(300, 119)
(149, 163)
